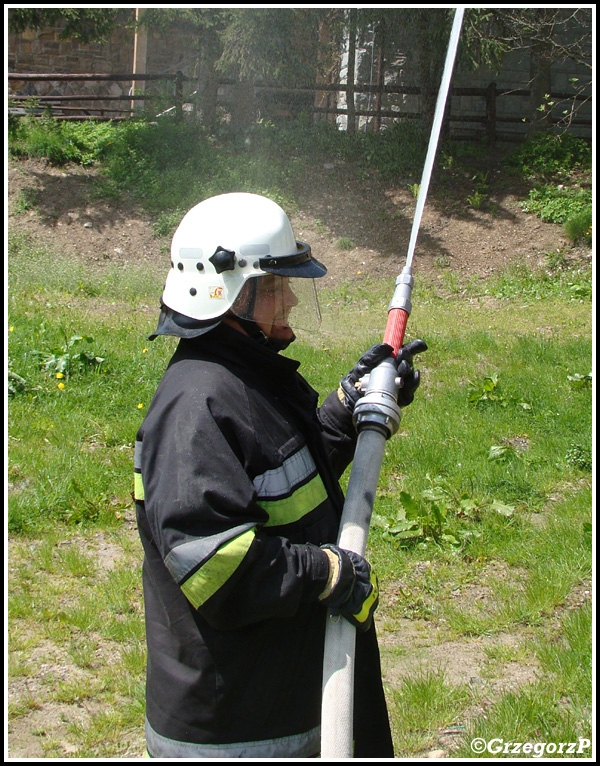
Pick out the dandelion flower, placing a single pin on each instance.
(61, 386)
(140, 405)
(59, 375)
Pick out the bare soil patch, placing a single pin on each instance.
(354, 224)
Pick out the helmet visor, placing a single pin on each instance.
(277, 301)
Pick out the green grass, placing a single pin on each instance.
(549, 713)
(482, 523)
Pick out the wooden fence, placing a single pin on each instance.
(64, 108)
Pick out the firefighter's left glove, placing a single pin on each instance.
(352, 589)
(350, 391)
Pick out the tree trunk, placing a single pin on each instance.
(243, 107)
(429, 69)
(327, 72)
(207, 81)
(540, 109)
(380, 41)
(351, 124)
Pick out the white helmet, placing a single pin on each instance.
(223, 242)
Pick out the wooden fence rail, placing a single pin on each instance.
(62, 106)
(57, 103)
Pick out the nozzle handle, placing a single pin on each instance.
(399, 310)
(395, 329)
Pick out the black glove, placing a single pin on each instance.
(354, 590)
(350, 392)
(410, 377)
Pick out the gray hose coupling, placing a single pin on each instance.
(402, 293)
(378, 409)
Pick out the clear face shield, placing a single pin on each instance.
(274, 302)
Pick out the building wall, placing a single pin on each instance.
(42, 51)
(514, 75)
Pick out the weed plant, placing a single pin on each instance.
(550, 160)
(60, 142)
(557, 205)
(571, 207)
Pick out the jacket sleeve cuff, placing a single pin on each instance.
(317, 563)
(337, 415)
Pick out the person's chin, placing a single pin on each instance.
(281, 332)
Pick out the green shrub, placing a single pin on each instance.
(60, 142)
(558, 205)
(578, 228)
(551, 155)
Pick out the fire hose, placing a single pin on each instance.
(376, 418)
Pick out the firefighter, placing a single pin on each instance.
(238, 503)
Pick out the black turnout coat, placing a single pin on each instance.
(236, 470)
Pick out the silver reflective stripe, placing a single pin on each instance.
(182, 559)
(137, 456)
(283, 480)
(302, 745)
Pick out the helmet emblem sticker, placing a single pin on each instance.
(215, 292)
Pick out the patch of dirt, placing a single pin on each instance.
(354, 224)
(60, 206)
(452, 235)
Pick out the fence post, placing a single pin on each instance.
(490, 112)
(380, 83)
(179, 95)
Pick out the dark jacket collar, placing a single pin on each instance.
(226, 343)
(269, 369)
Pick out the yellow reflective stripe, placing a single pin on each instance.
(217, 570)
(292, 508)
(363, 615)
(138, 486)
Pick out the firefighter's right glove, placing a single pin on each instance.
(352, 589)
(410, 377)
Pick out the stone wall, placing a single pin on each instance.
(43, 51)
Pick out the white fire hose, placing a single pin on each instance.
(377, 417)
